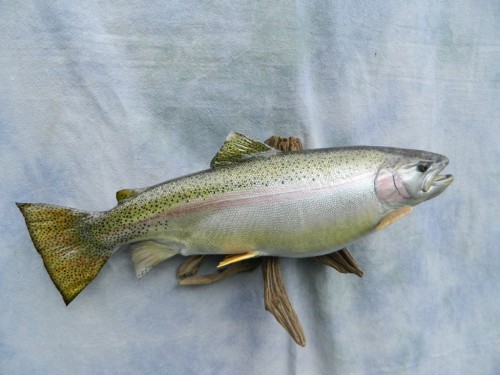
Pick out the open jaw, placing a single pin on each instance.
(443, 179)
(434, 179)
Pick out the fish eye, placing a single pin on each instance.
(423, 166)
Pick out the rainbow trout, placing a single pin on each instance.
(253, 201)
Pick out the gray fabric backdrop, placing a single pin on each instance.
(99, 96)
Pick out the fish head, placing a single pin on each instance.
(410, 177)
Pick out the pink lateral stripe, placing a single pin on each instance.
(257, 197)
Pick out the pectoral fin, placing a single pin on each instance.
(393, 216)
(147, 254)
(237, 258)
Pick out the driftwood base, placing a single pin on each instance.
(276, 300)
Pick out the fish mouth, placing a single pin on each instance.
(434, 179)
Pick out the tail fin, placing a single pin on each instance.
(68, 253)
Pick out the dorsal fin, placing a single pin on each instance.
(237, 148)
(126, 194)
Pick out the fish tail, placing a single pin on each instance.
(70, 254)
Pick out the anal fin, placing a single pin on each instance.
(393, 216)
(237, 258)
(147, 254)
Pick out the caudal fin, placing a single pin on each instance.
(69, 253)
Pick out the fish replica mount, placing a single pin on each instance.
(255, 204)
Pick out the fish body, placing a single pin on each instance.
(253, 201)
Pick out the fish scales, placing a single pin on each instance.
(253, 201)
(270, 186)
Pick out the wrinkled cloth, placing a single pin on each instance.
(101, 96)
